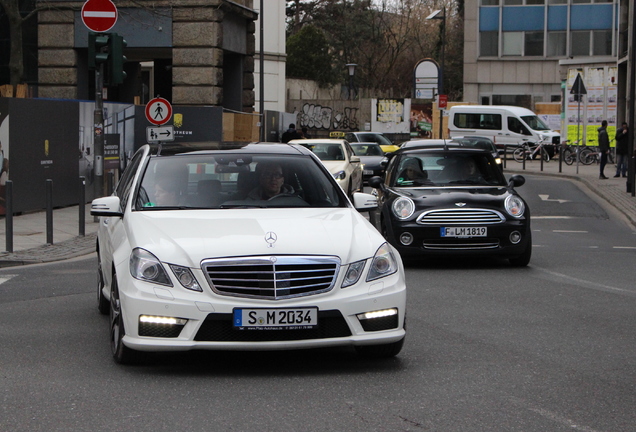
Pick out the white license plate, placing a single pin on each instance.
(367, 172)
(275, 319)
(464, 231)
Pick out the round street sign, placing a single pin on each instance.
(158, 111)
(99, 15)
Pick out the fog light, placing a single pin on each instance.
(406, 238)
(162, 320)
(378, 314)
(515, 237)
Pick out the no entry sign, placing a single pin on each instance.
(99, 15)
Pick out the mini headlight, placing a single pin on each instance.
(403, 208)
(146, 267)
(186, 278)
(353, 273)
(515, 206)
(383, 263)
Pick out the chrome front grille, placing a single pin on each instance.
(460, 216)
(271, 277)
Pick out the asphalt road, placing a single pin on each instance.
(489, 348)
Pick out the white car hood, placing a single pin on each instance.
(335, 167)
(188, 237)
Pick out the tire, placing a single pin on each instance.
(121, 353)
(587, 157)
(569, 157)
(524, 259)
(380, 351)
(519, 154)
(545, 154)
(103, 305)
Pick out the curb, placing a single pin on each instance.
(75, 247)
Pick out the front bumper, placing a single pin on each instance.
(207, 317)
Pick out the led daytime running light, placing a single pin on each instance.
(378, 314)
(162, 320)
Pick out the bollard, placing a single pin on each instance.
(541, 157)
(49, 211)
(560, 157)
(505, 158)
(82, 207)
(111, 181)
(8, 211)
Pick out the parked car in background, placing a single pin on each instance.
(452, 201)
(372, 157)
(340, 159)
(376, 137)
(247, 248)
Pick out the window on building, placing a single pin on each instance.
(513, 2)
(490, 2)
(485, 100)
(580, 43)
(516, 100)
(512, 43)
(602, 42)
(557, 44)
(558, 1)
(533, 44)
(555, 98)
(535, 2)
(489, 44)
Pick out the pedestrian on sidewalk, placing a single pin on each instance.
(621, 151)
(603, 146)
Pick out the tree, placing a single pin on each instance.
(308, 56)
(12, 9)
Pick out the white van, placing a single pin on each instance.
(505, 125)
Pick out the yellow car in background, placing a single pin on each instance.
(376, 137)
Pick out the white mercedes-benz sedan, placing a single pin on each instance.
(249, 247)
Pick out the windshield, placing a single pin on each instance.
(374, 137)
(445, 169)
(220, 181)
(367, 150)
(326, 151)
(535, 123)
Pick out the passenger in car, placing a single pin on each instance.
(412, 170)
(166, 193)
(271, 182)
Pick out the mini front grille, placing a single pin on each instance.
(272, 277)
(460, 216)
(463, 245)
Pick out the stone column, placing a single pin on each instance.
(57, 60)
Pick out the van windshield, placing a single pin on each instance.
(535, 123)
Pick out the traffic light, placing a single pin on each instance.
(97, 45)
(116, 59)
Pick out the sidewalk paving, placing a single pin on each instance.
(29, 230)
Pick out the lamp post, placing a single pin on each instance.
(440, 85)
(352, 71)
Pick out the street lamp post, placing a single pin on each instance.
(352, 71)
(440, 85)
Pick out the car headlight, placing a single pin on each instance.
(515, 206)
(340, 175)
(403, 208)
(353, 273)
(146, 267)
(383, 263)
(186, 278)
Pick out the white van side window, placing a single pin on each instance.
(478, 121)
(514, 125)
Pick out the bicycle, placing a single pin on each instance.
(530, 151)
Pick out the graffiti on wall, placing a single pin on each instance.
(321, 117)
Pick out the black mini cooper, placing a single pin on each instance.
(452, 201)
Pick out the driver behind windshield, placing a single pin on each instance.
(412, 172)
(271, 182)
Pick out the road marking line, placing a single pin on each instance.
(624, 247)
(569, 231)
(6, 278)
(587, 284)
(553, 217)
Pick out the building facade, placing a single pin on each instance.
(520, 52)
(189, 52)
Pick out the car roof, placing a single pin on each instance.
(441, 148)
(318, 141)
(361, 143)
(234, 147)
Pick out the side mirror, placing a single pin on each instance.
(376, 182)
(517, 180)
(107, 206)
(364, 201)
(354, 159)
